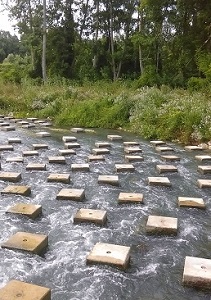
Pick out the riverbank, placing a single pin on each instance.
(151, 112)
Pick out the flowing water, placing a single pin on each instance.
(157, 262)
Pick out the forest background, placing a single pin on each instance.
(144, 65)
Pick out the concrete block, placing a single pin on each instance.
(160, 224)
(110, 254)
(80, 167)
(22, 122)
(71, 194)
(108, 179)
(10, 176)
(204, 183)
(157, 143)
(77, 130)
(128, 144)
(4, 124)
(124, 168)
(102, 144)
(15, 159)
(163, 149)
(14, 140)
(30, 153)
(30, 125)
(39, 122)
(96, 158)
(25, 241)
(17, 190)
(57, 159)
(36, 167)
(66, 152)
(130, 198)
(32, 119)
(67, 139)
(18, 290)
(90, 215)
(43, 134)
(71, 145)
(166, 168)
(29, 210)
(133, 158)
(15, 120)
(55, 177)
(191, 202)
(100, 151)
(47, 124)
(6, 148)
(132, 150)
(204, 169)
(203, 157)
(197, 272)
(170, 157)
(8, 128)
(193, 148)
(162, 181)
(114, 137)
(39, 146)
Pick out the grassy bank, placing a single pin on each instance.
(151, 112)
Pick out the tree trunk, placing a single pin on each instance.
(44, 76)
(112, 42)
(140, 20)
(95, 58)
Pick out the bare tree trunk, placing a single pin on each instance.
(112, 42)
(44, 76)
(32, 33)
(140, 20)
(84, 19)
(94, 61)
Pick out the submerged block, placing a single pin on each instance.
(30, 153)
(71, 145)
(203, 157)
(130, 198)
(197, 272)
(67, 139)
(77, 130)
(29, 210)
(204, 183)
(18, 290)
(71, 194)
(170, 157)
(36, 167)
(102, 144)
(10, 176)
(114, 137)
(162, 181)
(100, 151)
(124, 167)
(96, 158)
(39, 146)
(160, 224)
(166, 168)
(14, 140)
(132, 149)
(80, 167)
(6, 148)
(55, 177)
(43, 134)
(191, 202)
(66, 152)
(133, 158)
(193, 148)
(157, 143)
(110, 254)
(90, 215)
(108, 179)
(31, 242)
(17, 190)
(15, 159)
(163, 149)
(204, 169)
(57, 159)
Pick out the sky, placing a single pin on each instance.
(5, 23)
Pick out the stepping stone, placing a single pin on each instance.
(71, 145)
(203, 157)
(131, 144)
(191, 202)
(43, 134)
(36, 167)
(77, 130)
(166, 168)
(130, 198)
(90, 215)
(204, 183)
(124, 168)
(204, 169)
(110, 254)
(6, 148)
(71, 194)
(108, 179)
(96, 158)
(39, 121)
(8, 128)
(17, 190)
(157, 143)
(160, 224)
(55, 177)
(4, 124)
(193, 148)
(67, 139)
(80, 167)
(29, 210)
(102, 144)
(170, 157)
(114, 137)
(22, 123)
(15, 159)
(30, 153)
(100, 151)
(132, 149)
(57, 159)
(39, 146)
(9, 176)
(31, 242)
(162, 181)
(133, 158)
(66, 152)
(197, 272)
(47, 124)
(163, 149)
(14, 140)
(31, 125)
(24, 291)
(15, 120)
(32, 119)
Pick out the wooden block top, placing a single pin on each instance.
(102, 144)
(132, 149)
(43, 134)
(80, 167)
(10, 176)
(114, 137)
(66, 152)
(36, 166)
(160, 222)
(39, 146)
(67, 139)
(203, 157)
(163, 149)
(30, 153)
(133, 158)
(17, 190)
(157, 143)
(159, 181)
(204, 169)
(130, 198)
(55, 177)
(91, 215)
(203, 183)
(191, 202)
(100, 151)
(170, 157)
(72, 145)
(71, 194)
(193, 148)
(6, 148)
(29, 210)
(14, 159)
(166, 168)
(110, 179)
(57, 159)
(96, 158)
(131, 144)
(77, 130)
(124, 167)
(14, 140)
